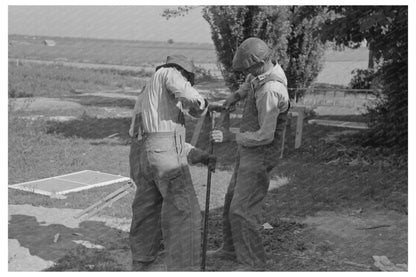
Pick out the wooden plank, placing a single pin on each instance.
(283, 141)
(198, 128)
(105, 199)
(287, 126)
(106, 204)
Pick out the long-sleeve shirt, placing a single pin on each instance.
(164, 98)
(272, 98)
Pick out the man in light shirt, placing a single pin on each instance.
(165, 205)
(264, 116)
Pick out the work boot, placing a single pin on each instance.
(220, 253)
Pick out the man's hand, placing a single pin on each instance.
(197, 155)
(231, 100)
(222, 136)
(211, 162)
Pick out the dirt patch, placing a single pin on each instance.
(219, 184)
(357, 236)
(327, 241)
(334, 241)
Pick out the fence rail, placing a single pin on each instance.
(339, 97)
(337, 89)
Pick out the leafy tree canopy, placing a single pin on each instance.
(288, 30)
(385, 28)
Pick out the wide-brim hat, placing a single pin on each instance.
(181, 61)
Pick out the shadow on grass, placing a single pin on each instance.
(39, 240)
(282, 244)
(93, 128)
(100, 101)
(352, 118)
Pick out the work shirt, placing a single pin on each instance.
(167, 96)
(272, 98)
(163, 102)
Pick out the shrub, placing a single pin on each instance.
(388, 120)
(385, 28)
(305, 51)
(362, 78)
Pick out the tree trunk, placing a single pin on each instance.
(371, 56)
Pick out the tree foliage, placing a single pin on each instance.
(288, 30)
(363, 78)
(231, 25)
(305, 49)
(386, 30)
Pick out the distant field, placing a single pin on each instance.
(337, 68)
(339, 72)
(347, 55)
(339, 65)
(121, 52)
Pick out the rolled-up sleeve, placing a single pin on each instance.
(184, 92)
(267, 103)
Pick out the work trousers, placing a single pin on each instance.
(244, 200)
(165, 205)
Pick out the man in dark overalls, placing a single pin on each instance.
(265, 114)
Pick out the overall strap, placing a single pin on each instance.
(272, 77)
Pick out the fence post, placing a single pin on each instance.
(299, 128)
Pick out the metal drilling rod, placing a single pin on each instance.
(207, 198)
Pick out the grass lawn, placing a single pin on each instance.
(320, 168)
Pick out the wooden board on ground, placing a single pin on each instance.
(72, 182)
(337, 123)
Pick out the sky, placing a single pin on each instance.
(108, 22)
